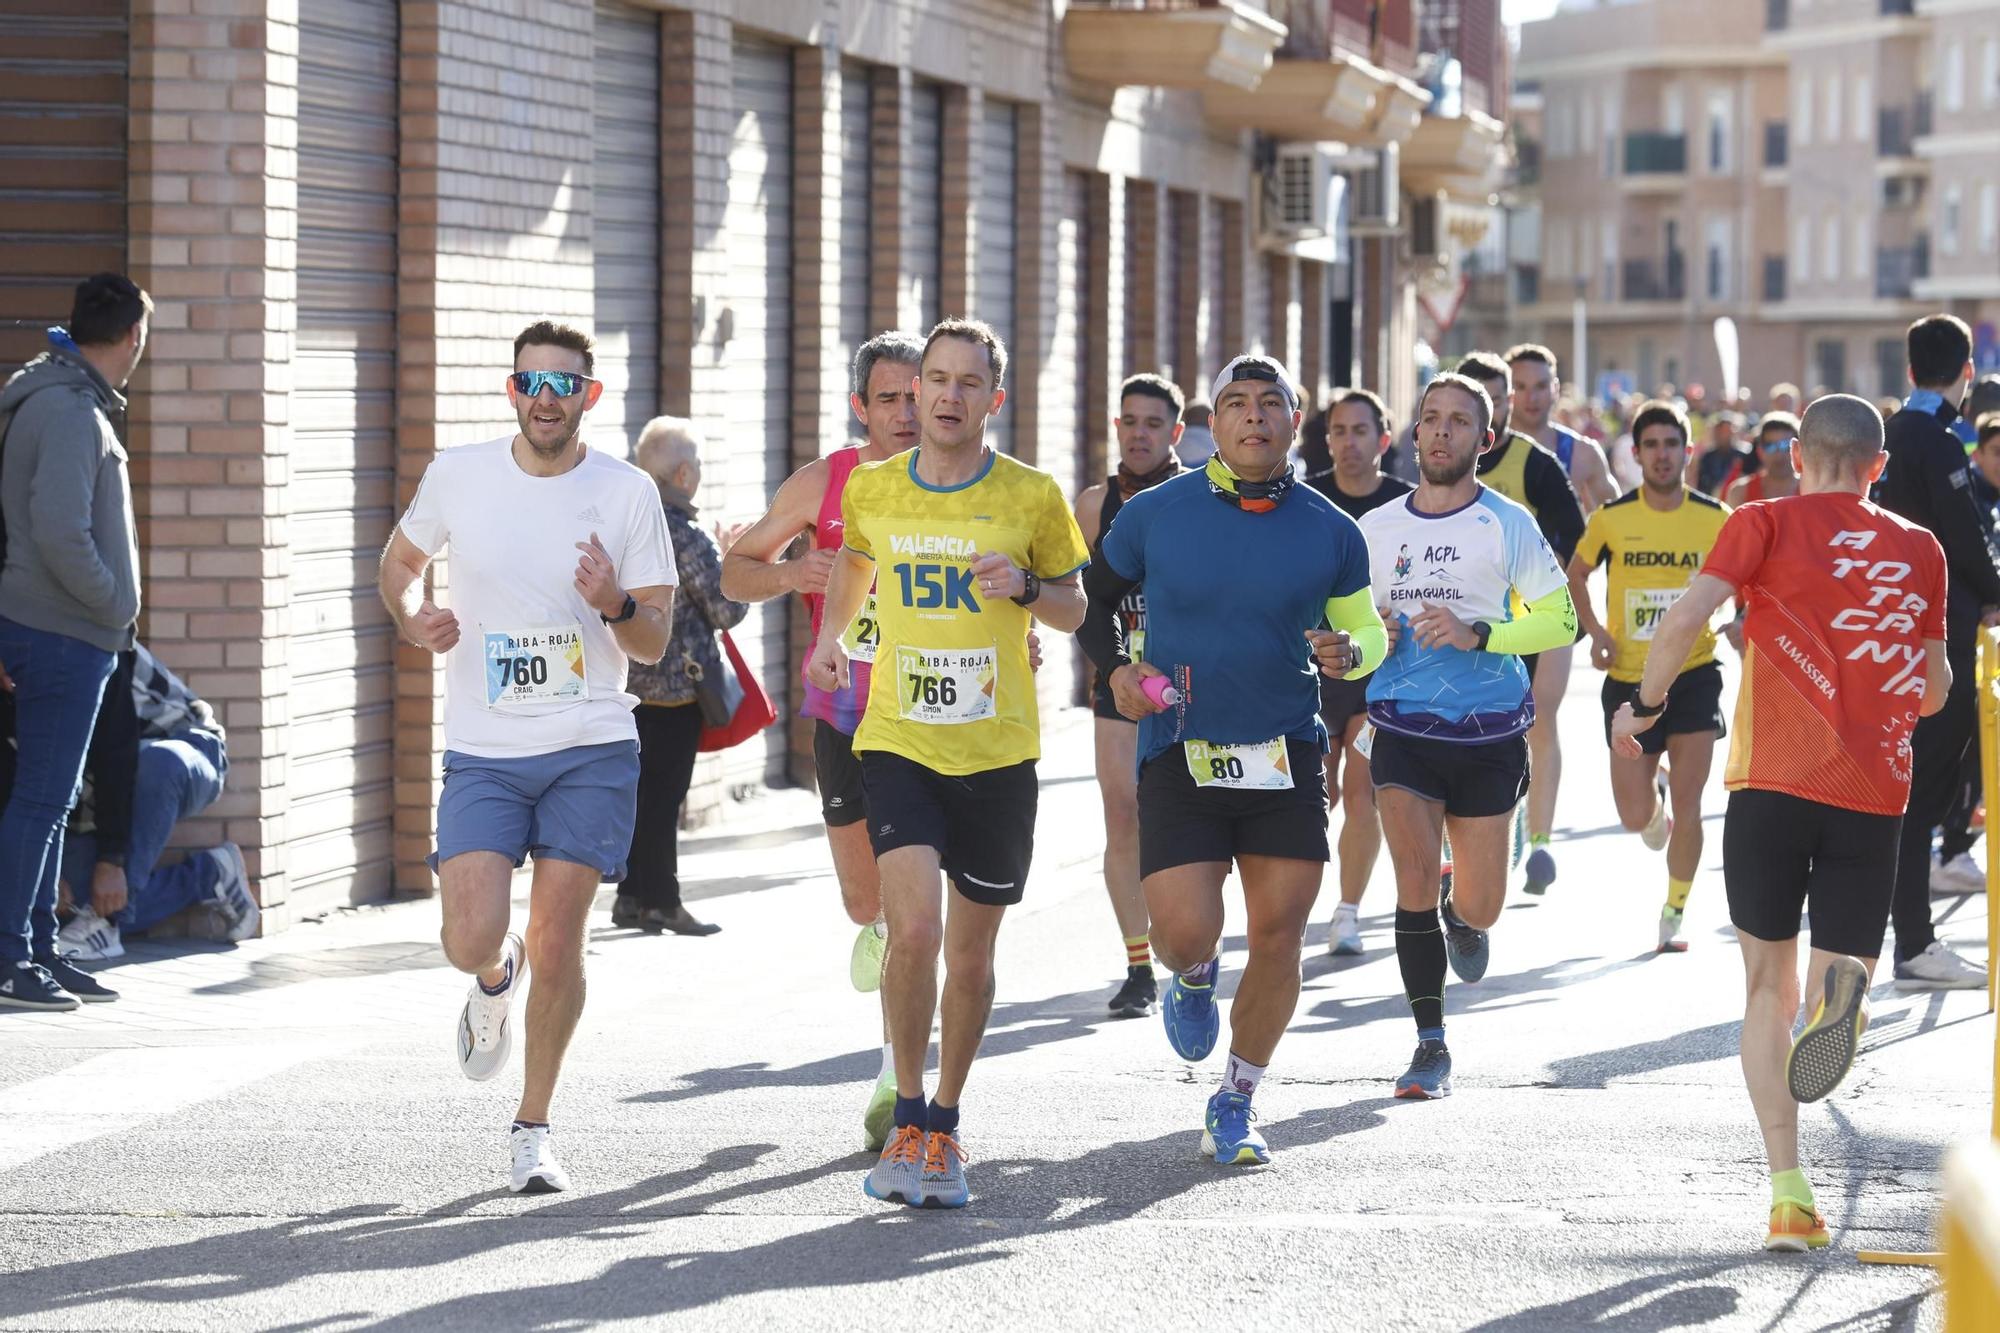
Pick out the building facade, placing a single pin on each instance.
(346, 209)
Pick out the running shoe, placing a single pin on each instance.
(1227, 1134)
(1796, 1228)
(898, 1175)
(1960, 875)
(1659, 828)
(1135, 998)
(536, 1170)
(880, 1116)
(943, 1181)
(75, 980)
(27, 986)
(1824, 1052)
(1344, 940)
(233, 904)
(1429, 1074)
(1541, 872)
(1938, 968)
(484, 1036)
(1469, 950)
(1192, 1019)
(90, 938)
(1670, 931)
(864, 964)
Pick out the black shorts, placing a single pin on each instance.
(1339, 702)
(841, 801)
(1103, 704)
(1781, 852)
(1694, 705)
(982, 825)
(1472, 781)
(1182, 824)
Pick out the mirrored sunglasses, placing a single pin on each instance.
(530, 383)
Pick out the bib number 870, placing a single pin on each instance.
(932, 690)
(526, 670)
(1229, 767)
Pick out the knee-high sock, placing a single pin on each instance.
(1420, 955)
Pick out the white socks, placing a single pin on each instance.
(888, 1062)
(1239, 1075)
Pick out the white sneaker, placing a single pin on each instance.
(1938, 968)
(1661, 828)
(536, 1170)
(1959, 875)
(90, 938)
(233, 903)
(484, 1036)
(1344, 940)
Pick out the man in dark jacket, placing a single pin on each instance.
(1928, 481)
(69, 599)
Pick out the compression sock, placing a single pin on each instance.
(1239, 1075)
(1138, 951)
(1420, 955)
(1791, 1187)
(911, 1111)
(1677, 893)
(943, 1119)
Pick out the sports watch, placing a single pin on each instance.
(625, 612)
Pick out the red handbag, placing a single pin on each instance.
(754, 713)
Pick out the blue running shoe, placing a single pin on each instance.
(1469, 950)
(1192, 1020)
(1541, 872)
(1429, 1074)
(1227, 1134)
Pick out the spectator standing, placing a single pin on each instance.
(669, 714)
(1197, 443)
(69, 600)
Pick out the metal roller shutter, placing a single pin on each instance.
(1257, 302)
(856, 159)
(625, 189)
(1074, 316)
(923, 181)
(343, 453)
(993, 238)
(758, 225)
(1214, 354)
(62, 161)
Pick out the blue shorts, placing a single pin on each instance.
(573, 805)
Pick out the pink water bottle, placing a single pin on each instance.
(1161, 691)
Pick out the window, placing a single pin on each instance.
(1556, 234)
(1829, 257)
(1989, 70)
(1718, 133)
(1607, 241)
(1954, 78)
(1989, 216)
(1889, 367)
(1949, 207)
(1673, 117)
(1611, 115)
(1802, 246)
(1864, 106)
(1717, 256)
(1802, 110)
(1833, 95)
(1863, 261)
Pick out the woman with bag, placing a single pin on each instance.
(690, 690)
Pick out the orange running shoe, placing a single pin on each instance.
(1796, 1227)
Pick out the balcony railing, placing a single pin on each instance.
(1897, 268)
(1656, 280)
(1899, 127)
(1774, 277)
(1777, 15)
(1777, 143)
(1651, 153)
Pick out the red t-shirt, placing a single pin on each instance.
(1841, 596)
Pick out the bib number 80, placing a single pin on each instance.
(1229, 767)
(937, 691)
(526, 670)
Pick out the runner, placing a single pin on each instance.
(883, 398)
(1774, 478)
(1358, 434)
(1651, 541)
(541, 752)
(1149, 428)
(1534, 391)
(1530, 476)
(1240, 567)
(1468, 585)
(970, 544)
(1846, 648)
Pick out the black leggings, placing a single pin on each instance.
(669, 739)
(1938, 754)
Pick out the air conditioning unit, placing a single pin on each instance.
(1298, 193)
(1374, 194)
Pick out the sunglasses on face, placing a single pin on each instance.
(530, 383)
(1772, 446)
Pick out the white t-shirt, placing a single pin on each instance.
(536, 670)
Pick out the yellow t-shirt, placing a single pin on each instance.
(952, 689)
(1650, 556)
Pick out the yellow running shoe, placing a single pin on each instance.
(1796, 1228)
(881, 1112)
(1824, 1052)
(864, 965)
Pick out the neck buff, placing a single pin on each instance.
(1256, 497)
(1130, 483)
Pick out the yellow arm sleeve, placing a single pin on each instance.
(1547, 622)
(1356, 614)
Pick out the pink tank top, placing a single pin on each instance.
(840, 709)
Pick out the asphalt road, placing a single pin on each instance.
(276, 1137)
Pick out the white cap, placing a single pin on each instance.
(1252, 366)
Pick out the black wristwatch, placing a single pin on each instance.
(1031, 588)
(625, 612)
(1642, 709)
(1482, 631)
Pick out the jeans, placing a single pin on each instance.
(669, 739)
(58, 683)
(178, 777)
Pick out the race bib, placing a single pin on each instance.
(864, 634)
(1643, 609)
(1260, 766)
(945, 686)
(535, 666)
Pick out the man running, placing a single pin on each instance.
(1468, 586)
(1774, 478)
(1530, 476)
(884, 400)
(1651, 541)
(1534, 390)
(1358, 434)
(561, 569)
(1148, 428)
(968, 545)
(1241, 566)
(1846, 649)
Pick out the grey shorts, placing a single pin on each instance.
(573, 805)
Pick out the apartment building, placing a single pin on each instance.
(346, 209)
(1962, 151)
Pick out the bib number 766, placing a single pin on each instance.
(934, 691)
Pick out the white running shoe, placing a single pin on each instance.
(484, 1036)
(1661, 828)
(238, 911)
(1938, 968)
(536, 1170)
(1344, 940)
(1959, 875)
(90, 938)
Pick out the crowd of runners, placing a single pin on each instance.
(1271, 643)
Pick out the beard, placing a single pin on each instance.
(568, 429)
(1446, 474)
